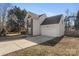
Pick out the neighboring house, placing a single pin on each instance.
(43, 25)
(70, 23)
(72, 20)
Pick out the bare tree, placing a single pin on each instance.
(67, 20)
(3, 15)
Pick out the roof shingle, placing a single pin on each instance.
(52, 20)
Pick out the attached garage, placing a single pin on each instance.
(53, 26)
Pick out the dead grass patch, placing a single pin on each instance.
(68, 46)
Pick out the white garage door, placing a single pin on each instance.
(50, 30)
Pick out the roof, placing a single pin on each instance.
(33, 15)
(41, 15)
(52, 20)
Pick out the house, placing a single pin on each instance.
(70, 23)
(32, 23)
(43, 25)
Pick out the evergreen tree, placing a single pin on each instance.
(20, 14)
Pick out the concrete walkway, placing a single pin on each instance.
(8, 46)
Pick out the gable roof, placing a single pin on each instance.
(33, 15)
(41, 15)
(52, 20)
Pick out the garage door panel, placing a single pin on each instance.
(49, 31)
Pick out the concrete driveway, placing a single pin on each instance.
(10, 44)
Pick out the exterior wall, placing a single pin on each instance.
(41, 19)
(36, 27)
(25, 20)
(50, 30)
(29, 27)
(53, 30)
(33, 16)
(62, 26)
(36, 23)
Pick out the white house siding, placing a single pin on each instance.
(62, 26)
(33, 16)
(36, 27)
(50, 30)
(41, 19)
(29, 30)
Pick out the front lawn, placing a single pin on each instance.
(65, 46)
